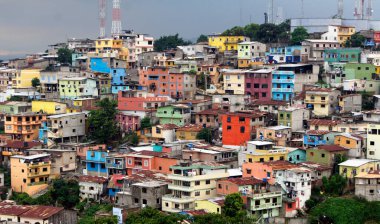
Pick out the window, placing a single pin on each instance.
(197, 183)
(228, 128)
(228, 119)
(208, 192)
(45, 169)
(144, 190)
(208, 181)
(249, 171)
(371, 143)
(348, 142)
(197, 193)
(323, 155)
(242, 129)
(129, 161)
(136, 200)
(146, 162)
(219, 186)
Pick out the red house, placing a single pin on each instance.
(258, 84)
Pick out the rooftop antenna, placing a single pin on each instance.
(102, 18)
(270, 11)
(116, 19)
(369, 9)
(302, 10)
(340, 9)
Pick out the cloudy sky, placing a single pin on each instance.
(28, 26)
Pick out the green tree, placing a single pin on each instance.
(233, 206)
(202, 38)
(356, 40)
(65, 193)
(367, 100)
(250, 30)
(339, 210)
(205, 134)
(36, 82)
(106, 220)
(145, 123)
(64, 55)
(234, 31)
(202, 80)
(150, 215)
(102, 122)
(169, 42)
(298, 35)
(334, 185)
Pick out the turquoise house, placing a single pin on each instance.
(297, 156)
(178, 114)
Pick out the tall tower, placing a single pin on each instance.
(369, 9)
(270, 11)
(102, 18)
(359, 9)
(340, 9)
(116, 19)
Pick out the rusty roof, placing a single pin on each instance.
(41, 212)
(191, 127)
(211, 112)
(11, 209)
(251, 114)
(167, 126)
(93, 179)
(280, 165)
(317, 132)
(332, 148)
(324, 122)
(21, 144)
(315, 166)
(242, 181)
(270, 102)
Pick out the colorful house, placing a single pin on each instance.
(24, 78)
(293, 117)
(258, 84)
(48, 107)
(338, 33)
(325, 154)
(278, 134)
(30, 174)
(212, 205)
(188, 132)
(238, 128)
(96, 163)
(322, 101)
(373, 141)
(24, 126)
(80, 87)
(296, 156)
(233, 81)
(226, 43)
(352, 167)
(262, 151)
(355, 143)
(177, 114)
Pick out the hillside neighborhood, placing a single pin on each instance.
(259, 124)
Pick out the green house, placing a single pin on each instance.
(325, 154)
(178, 114)
(15, 107)
(347, 55)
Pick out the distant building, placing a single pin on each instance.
(367, 185)
(92, 187)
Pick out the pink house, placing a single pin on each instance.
(138, 100)
(265, 170)
(258, 84)
(128, 122)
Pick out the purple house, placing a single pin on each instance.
(258, 84)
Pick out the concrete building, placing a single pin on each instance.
(48, 107)
(352, 167)
(128, 122)
(322, 102)
(367, 185)
(350, 103)
(356, 144)
(230, 103)
(339, 33)
(372, 116)
(293, 117)
(24, 126)
(258, 84)
(233, 81)
(92, 187)
(262, 151)
(314, 49)
(15, 107)
(30, 174)
(79, 87)
(280, 135)
(201, 178)
(24, 78)
(177, 114)
(209, 118)
(373, 141)
(147, 193)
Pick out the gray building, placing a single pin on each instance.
(367, 185)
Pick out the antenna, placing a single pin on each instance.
(302, 10)
(102, 18)
(116, 19)
(270, 11)
(340, 9)
(369, 9)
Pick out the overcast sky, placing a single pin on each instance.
(28, 26)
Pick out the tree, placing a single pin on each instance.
(64, 55)
(268, 33)
(234, 31)
(335, 185)
(106, 220)
(368, 103)
(102, 122)
(250, 30)
(233, 206)
(205, 134)
(65, 193)
(298, 35)
(339, 210)
(356, 40)
(203, 81)
(145, 123)
(202, 38)
(169, 42)
(36, 82)
(153, 216)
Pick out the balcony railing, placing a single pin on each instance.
(115, 165)
(182, 199)
(283, 90)
(283, 81)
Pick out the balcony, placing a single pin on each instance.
(181, 188)
(198, 177)
(273, 194)
(316, 101)
(181, 200)
(283, 90)
(289, 81)
(266, 206)
(38, 173)
(37, 183)
(36, 165)
(115, 165)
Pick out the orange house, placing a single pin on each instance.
(265, 170)
(24, 126)
(148, 160)
(238, 128)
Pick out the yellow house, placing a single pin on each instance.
(48, 107)
(188, 132)
(352, 167)
(226, 43)
(355, 144)
(30, 174)
(345, 33)
(213, 205)
(274, 154)
(233, 81)
(322, 101)
(24, 78)
(108, 44)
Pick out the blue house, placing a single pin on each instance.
(282, 85)
(316, 138)
(96, 163)
(297, 156)
(293, 54)
(118, 76)
(100, 65)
